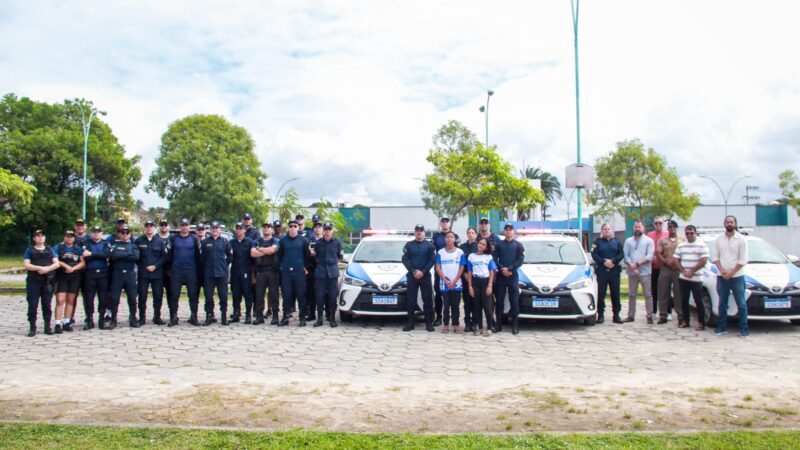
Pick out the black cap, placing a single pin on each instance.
(69, 233)
(484, 220)
(508, 225)
(266, 225)
(292, 222)
(79, 222)
(184, 221)
(444, 219)
(97, 228)
(239, 225)
(200, 226)
(163, 222)
(121, 220)
(215, 224)
(299, 216)
(37, 232)
(246, 216)
(125, 228)
(277, 224)
(327, 226)
(315, 218)
(317, 224)
(149, 223)
(419, 227)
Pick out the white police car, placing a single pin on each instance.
(374, 281)
(772, 283)
(556, 278)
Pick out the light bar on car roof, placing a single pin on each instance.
(527, 231)
(387, 232)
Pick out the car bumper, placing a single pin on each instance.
(757, 307)
(360, 301)
(575, 304)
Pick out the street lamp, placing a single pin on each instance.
(576, 4)
(87, 126)
(485, 110)
(278, 195)
(725, 196)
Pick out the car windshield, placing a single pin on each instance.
(553, 252)
(379, 252)
(763, 252)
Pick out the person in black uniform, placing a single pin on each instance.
(469, 247)
(41, 262)
(200, 232)
(419, 256)
(265, 257)
(316, 234)
(184, 252)
(439, 243)
(121, 222)
(216, 255)
(485, 231)
(327, 254)
(294, 256)
(80, 240)
(241, 273)
(607, 253)
(250, 231)
(95, 254)
(123, 277)
(166, 268)
(152, 254)
(508, 255)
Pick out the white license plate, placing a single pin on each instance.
(542, 303)
(777, 303)
(384, 300)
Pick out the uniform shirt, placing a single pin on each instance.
(41, 258)
(71, 256)
(449, 263)
(604, 249)
(509, 254)
(81, 241)
(689, 254)
(419, 255)
(268, 262)
(293, 253)
(327, 256)
(666, 247)
(241, 262)
(124, 255)
(168, 242)
(480, 265)
(730, 252)
(439, 241)
(469, 249)
(184, 252)
(252, 233)
(152, 252)
(98, 261)
(656, 236)
(493, 238)
(216, 256)
(637, 250)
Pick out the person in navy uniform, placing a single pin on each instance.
(81, 238)
(438, 240)
(241, 275)
(265, 259)
(115, 235)
(294, 256)
(328, 253)
(607, 253)
(152, 255)
(41, 262)
(217, 253)
(166, 268)
(485, 231)
(184, 252)
(124, 255)
(68, 280)
(311, 296)
(508, 255)
(419, 256)
(96, 278)
(250, 231)
(200, 232)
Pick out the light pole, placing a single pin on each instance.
(87, 126)
(485, 111)
(576, 4)
(725, 196)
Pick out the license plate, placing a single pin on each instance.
(384, 300)
(544, 303)
(777, 303)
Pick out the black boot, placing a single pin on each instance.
(438, 321)
(32, 331)
(259, 319)
(101, 324)
(58, 328)
(247, 319)
(302, 322)
(224, 315)
(157, 320)
(67, 326)
(333, 323)
(193, 320)
(173, 320)
(515, 325)
(89, 324)
(600, 318)
(235, 317)
(618, 319)
(318, 323)
(208, 320)
(274, 318)
(311, 315)
(47, 329)
(429, 322)
(284, 321)
(111, 324)
(409, 323)
(133, 322)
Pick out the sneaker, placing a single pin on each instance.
(720, 332)
(744, 334)
(669, 316)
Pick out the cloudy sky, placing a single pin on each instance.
(345, 96)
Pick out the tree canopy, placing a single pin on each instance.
(790, 188)
(15, 196)
(207, 170)
(551, 187)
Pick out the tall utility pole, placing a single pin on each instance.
(485, 111)
(87, 127)
(747, 197)
(576, 4)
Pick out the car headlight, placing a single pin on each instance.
(353, 281)
(797, 285)
(523, 285)
(750, 285)
(580, 284)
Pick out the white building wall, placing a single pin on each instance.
(713, 216)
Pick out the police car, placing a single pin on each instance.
(772, 282)
(374, 281)
(556, 279)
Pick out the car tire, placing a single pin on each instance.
(711, 317)
(590, 321)
(795, 321)
(345, 316)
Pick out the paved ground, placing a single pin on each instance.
(370, 376)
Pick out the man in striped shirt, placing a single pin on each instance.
(692, 256)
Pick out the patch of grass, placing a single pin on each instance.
(545, 400)
(579, 389)
(10, 261)
(712, 391)
(781, 411)
(502, 417)
(509, 426)
(623, 393)
(638, 425)
(627, 416)
(748, 398)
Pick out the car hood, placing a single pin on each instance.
(769, 275)
(377, 273)
(552, 275)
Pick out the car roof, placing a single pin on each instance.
(548, 237)
(387, 237)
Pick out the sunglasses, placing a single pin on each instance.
(658, 223)
(292, 226)
(690, 233)
(125, 232)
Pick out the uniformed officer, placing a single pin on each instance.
(485, 231)
(80, 240)
(200, 232)
(121, 222)
(303, 230)
(241, 275)
(95, 254)
(419, 256)
(41, 262)
(68, 280)
(124, 255)
(152, 255)
(216, 255)
(184, 252)
(438, 240)
(508, 255)
(327, 254)
(294, 256)
(607, 253)
(166, 268)
(265, 258)
(250, 231)
(316, 234)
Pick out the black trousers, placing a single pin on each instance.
(482, 303)
(83, 296)
(38, 290)
(293, 285)
(311, 291)
(123, 280)
(414, 287)
(608, 281)
(156, 285)
(267, 282)
(326, 290)
(96, 284)
(221, 285)
(437, 295)
(451, 305)
(167, 285)
(181, 277)
(696, 288)
(469, 303)
(502, 286)
(242, 286)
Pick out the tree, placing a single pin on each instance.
(43, 144)
(631, 176)
(15, 195)
(790, 188)
(551, 187)
(287, 206)
(328, 213)
(207, 170)
(467, 176)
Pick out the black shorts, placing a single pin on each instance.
(68, 286)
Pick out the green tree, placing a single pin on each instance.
(43, 144)
(632, 176)
(329, 213)
(15, 196)
(207, 170)
(790, 188)
(551, 187)
(286, 207)
(468, 177)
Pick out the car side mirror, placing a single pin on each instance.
(590, 259)
(348, 257)
(793, 259)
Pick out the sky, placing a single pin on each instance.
(345, 96)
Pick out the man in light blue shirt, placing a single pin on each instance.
(639, 250)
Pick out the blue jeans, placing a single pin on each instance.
(724, 289)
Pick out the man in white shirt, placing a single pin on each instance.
(730, 257)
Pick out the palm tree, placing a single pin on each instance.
(550, 185)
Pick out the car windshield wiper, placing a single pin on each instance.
(764, 262)
(375, 261)
(551, 262)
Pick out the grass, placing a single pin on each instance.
(10, 261)
(45, 436)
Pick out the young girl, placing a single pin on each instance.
(481, 270)
(469, 247)
(450, 264)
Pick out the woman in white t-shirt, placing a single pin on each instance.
(481, 270)
(450, 264)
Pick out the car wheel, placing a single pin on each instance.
(711, 317)
(795, 321)
(345, 316)
(590, 320)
